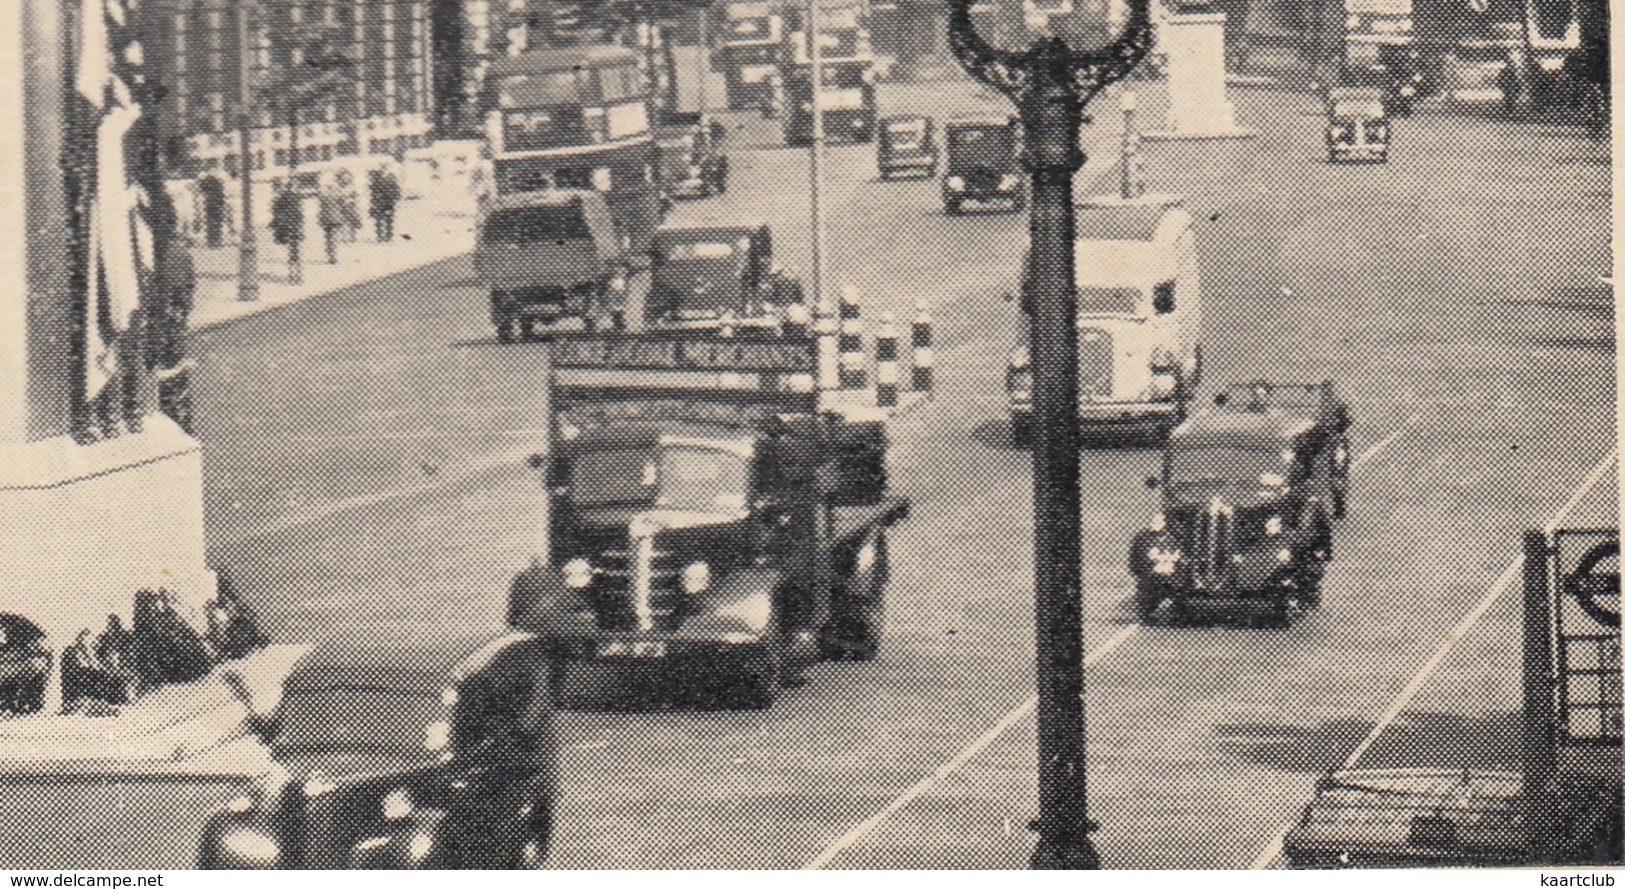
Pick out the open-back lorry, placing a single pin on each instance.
(710, 515)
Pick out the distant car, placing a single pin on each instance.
(1249, 490)
(692, 162)
(436, 756)
(700, 274)
(983, 165)
(907, 144)
(1357, 127)
(551, 255)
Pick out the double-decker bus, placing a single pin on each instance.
(847, 95)
(577, 117)
(747, 52)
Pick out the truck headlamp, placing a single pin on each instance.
(696, 578)
(245, 847)
(397, 805)
(1284, 556)
(1163, 561)
(956, 183)
(1008, 183)
(617, 283)
(577, 574)
(1159, 522)
(1272, 526)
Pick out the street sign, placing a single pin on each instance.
(1586, 629)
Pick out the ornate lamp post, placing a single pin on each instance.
(1051, 57)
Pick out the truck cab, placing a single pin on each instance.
(1249, 491)
(692, 161)
(983, 165)
(703, 275)
(747, 52)
(1139, 318)
(702, 527)
(1357, 127)
(547, 256)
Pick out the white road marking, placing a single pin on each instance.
(1021, 712)
(1402, 701)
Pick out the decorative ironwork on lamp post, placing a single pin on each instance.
(1050, 57)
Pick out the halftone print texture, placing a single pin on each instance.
(366, 482)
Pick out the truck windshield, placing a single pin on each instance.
(993, 147)
(529, 225)
(702, 479)
(1194, 464)
(611, 477)
(539, 90)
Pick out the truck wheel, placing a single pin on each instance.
(1340, 503)
(1147, 598)
(859, 612)
(1309, 579)
(1021, 430)
(953, 208)
(505, 331)
(758, 687)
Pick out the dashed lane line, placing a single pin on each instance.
(1267, 857)
(1022, 711)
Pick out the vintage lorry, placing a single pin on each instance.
(703, 275)
(547, 256)
(1139, 319)
(710, 516)
(692, 161)
(983, 164)
(1250, 488)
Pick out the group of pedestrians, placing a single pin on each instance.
(337, 213)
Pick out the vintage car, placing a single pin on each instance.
(438, 755)
(1357, 127)
(550, 255)
(692, 162)
(1139, 319)
(907, 145)
(1249, 491)
(983, 165)
(702, 274)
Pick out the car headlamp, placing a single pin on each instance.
(397, 805)
(1159, 522)
(577, 574)
(419, 847)
(696, 578)
(1163, 561)
(1271, 479)
(956, 183)
(1272, 526)
(1284, 556)
(1008, 183)
(437, 735)
(617, 283)
(245, 847)
(694, 171)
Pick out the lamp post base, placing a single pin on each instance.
(1073, 853)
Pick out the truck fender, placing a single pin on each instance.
(538, 598)
(741, 603)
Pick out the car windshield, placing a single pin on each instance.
(981, 147)
(537, 90)
(700, 250)
(702, 479)
(1197, 463)
(609, 477)
(1108, 300)
(528, 225)
(356, 719)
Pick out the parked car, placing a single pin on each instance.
(983, 165)
(551, 255)
(700, 274)
(1249, 491)
(431, 755)
(908, 144)
(1357, 127)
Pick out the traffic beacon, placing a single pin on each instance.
(1051, 57)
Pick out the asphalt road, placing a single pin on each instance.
(364, 476)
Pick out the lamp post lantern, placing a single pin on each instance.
(1050, 57)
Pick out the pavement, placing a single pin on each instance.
(365, 475)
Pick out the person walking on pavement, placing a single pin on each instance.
(352, 212)
(288, 226)
(385, 194)
(330, 216)
(213, 195)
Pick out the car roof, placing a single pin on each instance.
(1239, 429)
(422, 660)
(561, 59)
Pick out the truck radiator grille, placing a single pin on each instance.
(1094, 362)
(1215, 541)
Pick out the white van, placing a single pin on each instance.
(1139, 317)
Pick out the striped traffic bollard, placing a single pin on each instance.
(797, 321)
(886, 362)
(924, 359)
(853, 373)
(829, 351)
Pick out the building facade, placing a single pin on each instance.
(381, 104)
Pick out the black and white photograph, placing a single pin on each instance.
(809, 435)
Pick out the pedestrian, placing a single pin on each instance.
(330, 216)
(482, 182)
(288, 226)
(1510, 80)
(385, 194)
(352, 212)
(213, 194)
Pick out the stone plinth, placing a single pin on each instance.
(1197, 105)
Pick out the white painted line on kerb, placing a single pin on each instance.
(1021, 712)
(1402, 701)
